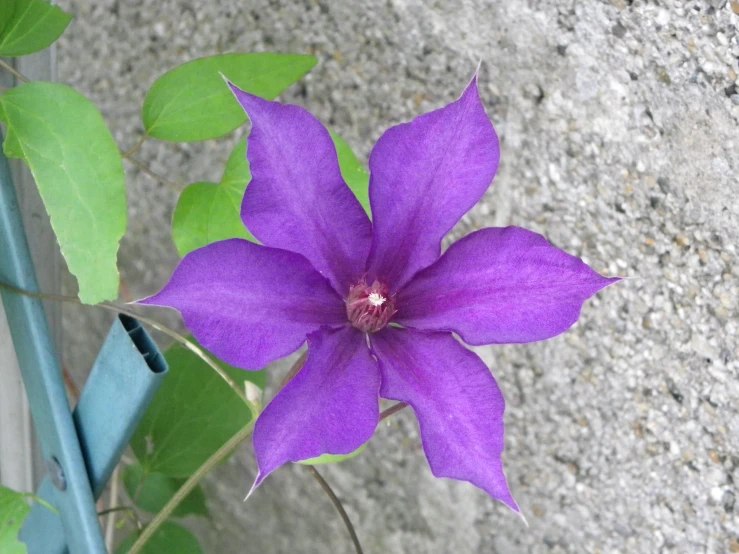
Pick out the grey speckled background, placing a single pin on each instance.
(619, 127)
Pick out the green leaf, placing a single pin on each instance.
(13, 511)
(237, 172)
(354, 173)
(192, 103)
(333, 458)
(170, 538)
(28, 26)
(151, 491)
(194, 413)
(79, 173)
(207, 212)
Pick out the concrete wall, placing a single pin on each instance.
(619, 128)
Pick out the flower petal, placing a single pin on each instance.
(500, 286)
(424, 176)
(297, 199)
(330, 407)
(250, 304)
(456, 399)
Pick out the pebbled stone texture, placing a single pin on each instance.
(618, 121)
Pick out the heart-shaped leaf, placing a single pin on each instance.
(192, 103)
(207, 212)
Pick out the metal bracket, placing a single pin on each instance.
(128, 371)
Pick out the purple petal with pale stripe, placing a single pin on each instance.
(500, 286)
(250, 304)
(330, 407)
(456, 399)
(297, 199)
(424, 176)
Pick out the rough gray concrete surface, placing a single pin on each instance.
(618, 122)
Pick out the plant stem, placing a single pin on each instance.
(153, 175)
(189, 485)
(14, 71)
(392, 409)
(297, 366)
(127, 509)
(135, 147)
(110, 523)
(114, 510)
(338, 505)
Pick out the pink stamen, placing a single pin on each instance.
(370, 307)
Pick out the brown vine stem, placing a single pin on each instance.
(297, 366)
(338, 505)
(135, 147)
(392, 409)
(113, 500)
(153, 175)
(116, 509)
(15, 72)
(129, 510)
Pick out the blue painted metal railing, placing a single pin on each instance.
(80, 451)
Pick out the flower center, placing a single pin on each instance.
(370, 307)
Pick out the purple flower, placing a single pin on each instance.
(377, 301)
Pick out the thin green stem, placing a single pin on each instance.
(338, 505)
(135, 147)
(41, 501)
(15, 72)
(194, 348)
(189, 485)
(153, 175)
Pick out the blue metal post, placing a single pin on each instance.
(128, 371)
(43, 378)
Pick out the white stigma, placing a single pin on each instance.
(376, 299)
